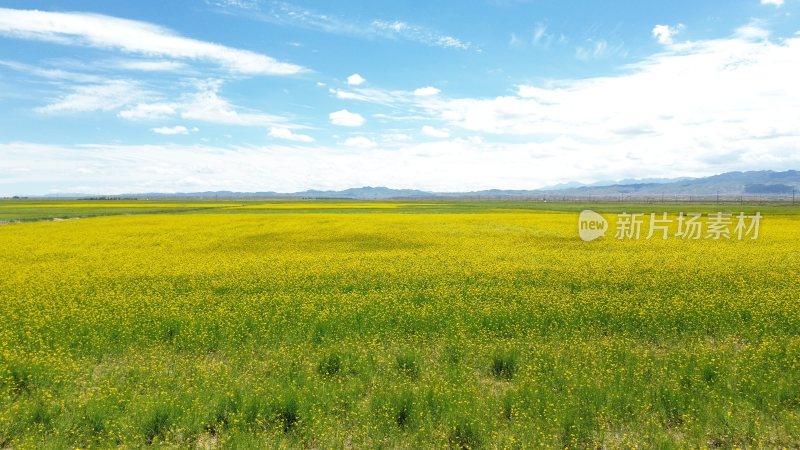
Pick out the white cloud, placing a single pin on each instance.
(149, 111)
(346, 118)
(698, 107)
(355, 80)
(442, 165)
(289, 135)
(772, 2)
(177, 129)
(694, 108)
(428, 130)
(397, 137)
(106, 96)
(208, 106)
(396, 26)
(752, 31)
(130, 36)
(426, 91)
(451, 42)
(360, 142)
(664, 34)
(149, 65)
(694, 105)
(541, 95)
(205, 104)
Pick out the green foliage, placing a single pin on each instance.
(504, 364)
(330, 365)
(408, 364)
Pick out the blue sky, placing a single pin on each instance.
(255, 95)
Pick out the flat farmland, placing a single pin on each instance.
(324, 324)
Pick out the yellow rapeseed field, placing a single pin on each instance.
(394, 325)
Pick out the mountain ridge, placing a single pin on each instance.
(748, 183)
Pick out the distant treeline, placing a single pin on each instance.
(109, 198)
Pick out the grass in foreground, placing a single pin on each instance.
(387, 329)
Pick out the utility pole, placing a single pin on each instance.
(793, 189)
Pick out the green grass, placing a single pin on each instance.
(33, 210)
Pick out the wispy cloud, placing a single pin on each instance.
(147, 65)
(208, 106)
(130, 36)
(243, 4)
(404, 30)
(149, 111)
(371, 95)
(106, 96)
(51, 74)
(292, 15)
(397, 99)
(599, 49)
(136, 101)
(540, 37)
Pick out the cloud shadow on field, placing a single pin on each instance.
(340, 243)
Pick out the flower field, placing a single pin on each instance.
(393, 325)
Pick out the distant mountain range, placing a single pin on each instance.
(627, 181)
(764, 183)
(758, 183)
